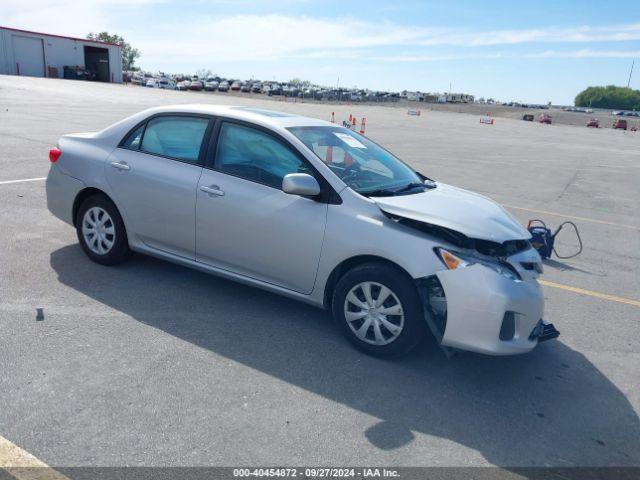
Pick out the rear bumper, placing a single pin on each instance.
(489, 313)
(61, 193)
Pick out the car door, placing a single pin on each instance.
(153, 176)
(245, 223)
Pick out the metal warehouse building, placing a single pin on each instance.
(42, 55)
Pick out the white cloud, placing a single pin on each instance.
(255, 38)
(195, 40)
(557, 34)
(586, 53)
(252, 37)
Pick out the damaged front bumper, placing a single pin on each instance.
(477, 309)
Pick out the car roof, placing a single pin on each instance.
(260, 116)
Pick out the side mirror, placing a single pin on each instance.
(301, 184)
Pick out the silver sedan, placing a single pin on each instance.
(307, 209)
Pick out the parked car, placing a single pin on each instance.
(235, 86)
(593, 123)
(436, 257)
(151, 83)
(256, 87)
(196, 85)
(620, 124)
(275, 89)
(165, 83)
(183, 85)
(211, 85)
(245, 87)
(223, 86)
(528, 117)
(545, 118)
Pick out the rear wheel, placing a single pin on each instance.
(101, 231)
(379, 310)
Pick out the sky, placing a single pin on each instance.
(528, 51)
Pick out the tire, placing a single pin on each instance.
(387, 341)
(112, 246)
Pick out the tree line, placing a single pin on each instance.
(620, 98)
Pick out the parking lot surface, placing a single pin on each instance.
(154, 364)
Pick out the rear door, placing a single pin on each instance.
(246, 223)
(153, 176)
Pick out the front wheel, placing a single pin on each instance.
(379, 310)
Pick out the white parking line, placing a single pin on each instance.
(6, 182)
(24, 466)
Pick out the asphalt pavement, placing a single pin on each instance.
(153, 364)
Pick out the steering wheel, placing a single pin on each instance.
(350, 171)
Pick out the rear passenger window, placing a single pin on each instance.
(133, 140)
(176, 137)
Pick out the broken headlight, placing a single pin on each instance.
(453, 261)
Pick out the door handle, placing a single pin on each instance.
(120, 166)
(212, 190)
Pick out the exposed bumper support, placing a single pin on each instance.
(544, 331)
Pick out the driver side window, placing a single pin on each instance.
(251, 154)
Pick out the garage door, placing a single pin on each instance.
(29, 56)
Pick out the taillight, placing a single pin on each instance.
(54, 154)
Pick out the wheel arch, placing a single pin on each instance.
(347, 265)
(83, 195)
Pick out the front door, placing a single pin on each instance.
(153, 177)
(246, 223)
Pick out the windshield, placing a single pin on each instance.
(361, 164)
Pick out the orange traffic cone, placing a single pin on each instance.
(363, 123)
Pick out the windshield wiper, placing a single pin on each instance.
(411, 186)
(383, 192)
(387, 192)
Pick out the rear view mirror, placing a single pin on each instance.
(300, 184)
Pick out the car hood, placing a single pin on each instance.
(471, 214)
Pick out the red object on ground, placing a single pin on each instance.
(545, 118)
(620, 124)
(329, 156)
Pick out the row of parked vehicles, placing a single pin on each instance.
(618, 124)
(217, 84)
(214, 84)
(625, 113)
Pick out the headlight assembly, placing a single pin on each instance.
(454, 261)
